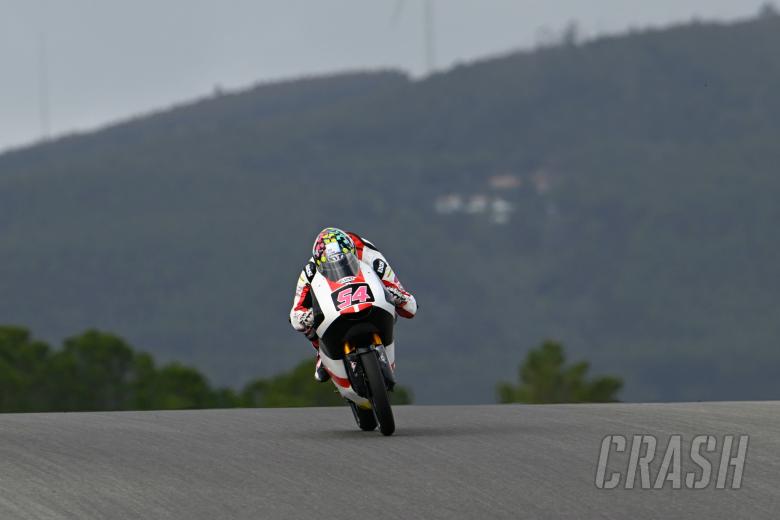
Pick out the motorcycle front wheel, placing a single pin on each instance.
(379, 398)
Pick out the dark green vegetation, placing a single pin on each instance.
(544, 379)
(645, 230)
(99, 371)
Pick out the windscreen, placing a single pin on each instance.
(339, 265)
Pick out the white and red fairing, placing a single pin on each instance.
(338, 298)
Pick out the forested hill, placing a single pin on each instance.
(619, 195)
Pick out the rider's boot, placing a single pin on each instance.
(320, 374)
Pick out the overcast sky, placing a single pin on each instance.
(109, 59)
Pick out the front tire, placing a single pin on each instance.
(379, 399)
(365, 419)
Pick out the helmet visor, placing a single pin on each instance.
(339, 265)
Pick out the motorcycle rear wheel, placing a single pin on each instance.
(379, 398)
(365, 419)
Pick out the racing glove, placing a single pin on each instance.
(405, 304)
(398, 296)
(302, 320)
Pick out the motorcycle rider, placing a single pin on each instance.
(330, 243)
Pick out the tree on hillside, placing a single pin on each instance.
(298, 388)
(99, 371)
(545, 379)
(22, 366)
(96, 371)
(93, 371)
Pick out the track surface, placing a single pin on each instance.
(444, 462)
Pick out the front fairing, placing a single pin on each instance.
(348, 296)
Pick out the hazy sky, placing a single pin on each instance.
(109, 59)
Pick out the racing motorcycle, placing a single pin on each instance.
(353, 319)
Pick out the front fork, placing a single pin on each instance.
(355, 367)
(384, 364)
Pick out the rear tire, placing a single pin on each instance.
(365, 419)
(379, 399)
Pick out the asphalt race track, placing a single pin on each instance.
(448, 462)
